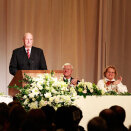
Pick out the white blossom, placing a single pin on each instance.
(26, 101)
(33, 105)
(47, 95)
(42, 103)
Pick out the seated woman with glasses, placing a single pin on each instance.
(109, 83)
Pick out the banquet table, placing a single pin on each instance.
(92, 105)
(6, 99)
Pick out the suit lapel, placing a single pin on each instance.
(32, 52)
(24, 54)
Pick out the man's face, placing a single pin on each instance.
(110, 74)
(67, 71)
(28, 40)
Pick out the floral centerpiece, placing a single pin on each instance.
(45, 89)
(87, 88)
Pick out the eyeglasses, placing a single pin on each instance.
(67, 69)
(111, 72)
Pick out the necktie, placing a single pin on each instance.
(28, 53)
(109, 82)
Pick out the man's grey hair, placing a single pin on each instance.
(66, 65)
(27, 34)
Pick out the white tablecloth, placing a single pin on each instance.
(92, 105)
(5, 98)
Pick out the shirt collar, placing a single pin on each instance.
(108, 79)
(67, 79)
(29, 50)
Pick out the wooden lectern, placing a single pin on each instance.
(33, 73)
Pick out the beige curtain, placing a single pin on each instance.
(118, 48)
(90, 34)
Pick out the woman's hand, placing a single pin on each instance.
(118, 81)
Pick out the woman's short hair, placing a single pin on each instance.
(106, 69)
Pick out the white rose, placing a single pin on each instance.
(33, 84)
(91, 90)
(33, 105)
(67, 98)
(31, 95)
(33, 99)
(57, 99)
(47, 88)
(53, 90)
(39, 86)
(51, 99)
(89, 84)
(25, 96)
(47, 95)
(42, 103)
(26, 101)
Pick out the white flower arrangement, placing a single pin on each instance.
(45, 89)
(87, 88)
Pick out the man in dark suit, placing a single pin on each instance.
(27, 57)
(67, 72)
